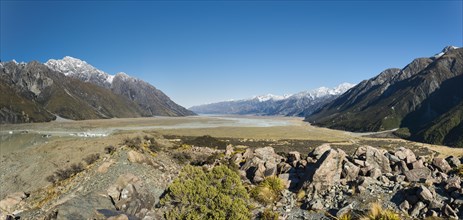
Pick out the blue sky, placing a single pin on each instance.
(206, 51)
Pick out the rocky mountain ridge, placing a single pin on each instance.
(298, 104)
(411, 98)
(149, 99)
(32, 92)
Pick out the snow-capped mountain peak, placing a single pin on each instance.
(263, 98)
(299, 104)
(80, 69)
(445, 50)
(324, 91)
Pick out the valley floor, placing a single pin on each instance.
(31, 152)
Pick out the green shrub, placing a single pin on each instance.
(402, 133)
(269, 190)
(216, 194)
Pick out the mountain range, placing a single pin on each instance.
(72, 89)
(299, 104)
(424, 99)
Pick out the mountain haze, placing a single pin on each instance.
(299, 104)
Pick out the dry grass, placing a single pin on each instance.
(268, 191)
(378, 213)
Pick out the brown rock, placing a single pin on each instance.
(441, 164)
(417, 174)
(119, 217)
(284, 167)
(103, 168)
(294, 156)
(325, 173)
(417, 164)
(376, 158)
(229, 150)
(267, 154)
(248, 154)
(136, 157)
(350, 171)
(425, 194)
(11, 201)
(270, 169)
(453, 161)
(405, 154)
(320, 150)
(453, 183)
(237, 158)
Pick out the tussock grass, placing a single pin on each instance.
(269, 190)
(378, 213)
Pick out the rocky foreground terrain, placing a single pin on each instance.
(143, 178)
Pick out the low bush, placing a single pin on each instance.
(134, 143)
(206, 141)
(92, 158)
(154, 147)
(459, 170)
(199, 194)
(269, 190)
(66, 173)
(109, 149)
(402, 133)
(182, 157)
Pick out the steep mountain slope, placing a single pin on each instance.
(412, 97)
(150, 101)
(447, 129)
(15, 108)
(35, 85)
(299, 104)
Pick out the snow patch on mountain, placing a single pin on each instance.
(324, 91)
(80, 69)
(445, 50)
(264, 98)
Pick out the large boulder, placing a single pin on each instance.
(417, 174)
(425, 194)
(267, 154)
(453, 161)
(326, 172)
(406, 155)
(263, 163)
(320, 150)
(377, 159)
(441, 164)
